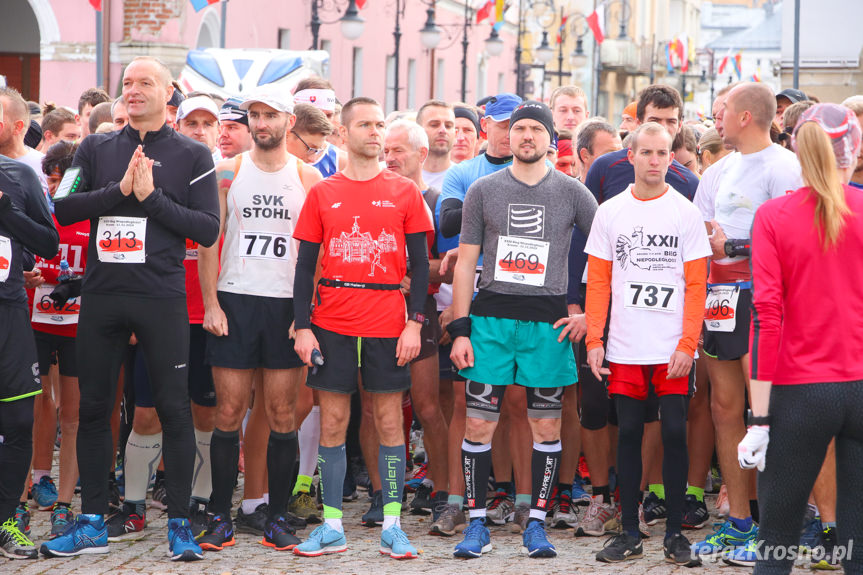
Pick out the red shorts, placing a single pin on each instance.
(633, 381)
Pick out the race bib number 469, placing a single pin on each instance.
(266, 246)
(521, 261)
(650, 296)
(121, 240)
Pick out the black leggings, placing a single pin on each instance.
(804, 418)
(104, 328)
(675, 460)
(16, 449)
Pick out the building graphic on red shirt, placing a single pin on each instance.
(360, 247)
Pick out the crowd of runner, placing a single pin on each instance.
(294, 286)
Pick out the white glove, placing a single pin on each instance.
(752, 449)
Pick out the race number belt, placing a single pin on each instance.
(356, 285)
(720, 307)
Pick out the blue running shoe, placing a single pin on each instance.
(477, 540)
(394, 542)
(181, 542)
(87, 534)
(44, 493)
(322, 541)
(579, 495)
(811, 536)
(742, 556)
(536, 542)
(724, 537)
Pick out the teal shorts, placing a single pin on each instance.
(508, 351)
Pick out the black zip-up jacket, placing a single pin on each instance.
(184, 204)
(25, 221)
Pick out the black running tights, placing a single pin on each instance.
(16, 449)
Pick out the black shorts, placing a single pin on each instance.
(484, 401)
(56, 349)
(258, 334)
(732, 345)
(430, 333)
(19, 369)
(377, 364)
(201, 389)
(445, 365)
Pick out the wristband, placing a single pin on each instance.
(459, 327)
(756, 420)
(737, 248)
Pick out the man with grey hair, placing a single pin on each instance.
(594, 138)
(405, 149)
(728, 195)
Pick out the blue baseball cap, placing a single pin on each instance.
(499, 108)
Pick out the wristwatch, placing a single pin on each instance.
(756, 420)
(418, 317)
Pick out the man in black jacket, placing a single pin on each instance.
(145, 189)
(25, 224)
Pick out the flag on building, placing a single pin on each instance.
(96, 4)
(198, 5)
(561, 29)
(724, 63)
(595, 23)
(736, 61)
(499, 9)
(683, 53)
(361, 4)
(484, 11)
(668, 51)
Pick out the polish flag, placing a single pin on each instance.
(724, 63)
(594, 22)
(361, 4)
(96, 4)
(484, 11)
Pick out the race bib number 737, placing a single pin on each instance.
(651, 296)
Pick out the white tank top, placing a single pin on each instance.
(259, 255)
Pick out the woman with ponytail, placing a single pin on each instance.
(805, 341)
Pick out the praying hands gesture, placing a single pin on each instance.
(138, 178)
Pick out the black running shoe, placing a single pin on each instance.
(621, 548)
(279, 535)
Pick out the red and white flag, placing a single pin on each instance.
(595, 23)
(484, 11)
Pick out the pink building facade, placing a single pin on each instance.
(48, 47)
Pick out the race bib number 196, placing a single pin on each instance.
(521, 261)
(720, 312)
(650, 296)
(121, 240)
(5, 257)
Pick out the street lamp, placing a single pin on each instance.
(493, 44)
(544, 53)
(352, 23)
(578, 58)
(430, 33)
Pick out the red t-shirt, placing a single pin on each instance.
(361, 227)
(194, 299)
(74, 240)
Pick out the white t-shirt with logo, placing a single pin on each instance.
(647, 242)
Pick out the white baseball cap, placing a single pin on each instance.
(280, 101)
(189, 105)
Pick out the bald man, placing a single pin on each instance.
(728, 196)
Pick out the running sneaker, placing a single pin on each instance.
(438, 504)
(220, 533)
(279, 535)
(322, 541)
(304, 506)
(477, 540)
(349, 487)
(535, 541)
(620, 548)
(810, 537)
(565, 514)
(678, 550)
(654, 508)
(361, 473)
(87, 534)
(253, 523)
(745, 556)
(583, 470)
(695, 514)
(451, 521)
(181, 543)
(599, 519)
(14, 544)
(114, 494)
(421, 504)
(22, 518)
(375, 515)
(579, 495)
(824, 553)
(160, 495)
(722, 506)
(198, 518)
(417, 477)
(643, 528)
(500, 509)
(394, 542)
(44, 493)
(61, 517)
(520, 517)
(127, 522)
(724, 537)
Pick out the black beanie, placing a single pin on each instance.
(535, 111)
(467, 113)
(33, 135)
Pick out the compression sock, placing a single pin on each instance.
(391, 466)
(224, 458)
(281, 457)
(675, 460)
(476, 464)
(333, 464)
(202, 478)
(309, 437)
(142, 458)
(544, 466)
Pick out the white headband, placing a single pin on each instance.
(324, 100)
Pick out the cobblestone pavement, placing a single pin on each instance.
(149, 554)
